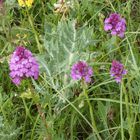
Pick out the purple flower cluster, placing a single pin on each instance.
(115, 24)
(81, 70)
(117, 71)
(22, 65)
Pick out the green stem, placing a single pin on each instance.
(121, 114)
(27, 112)
(34, 31)
(33, 129)
(128, 116)
(94, 128)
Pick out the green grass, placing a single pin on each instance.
(55, 107)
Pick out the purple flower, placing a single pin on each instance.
(22, 65)
(1, 1)
(81, 70)
(117, 71)
(115, 24)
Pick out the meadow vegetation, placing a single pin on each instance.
(78, 94)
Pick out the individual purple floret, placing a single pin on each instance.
(115, 24)
(22, 65)
(81, 70)
(117, 71)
